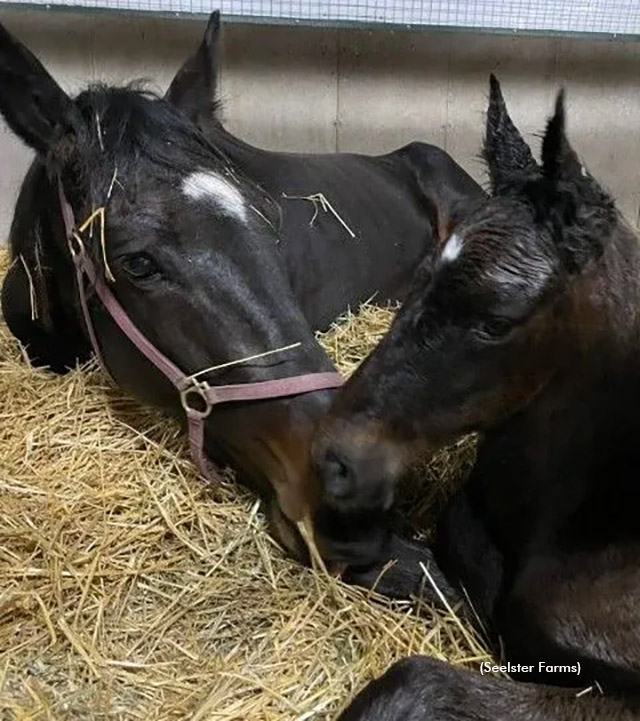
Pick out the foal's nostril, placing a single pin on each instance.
(338, 480)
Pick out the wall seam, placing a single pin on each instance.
(336, 122)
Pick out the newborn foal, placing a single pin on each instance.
(524, 327)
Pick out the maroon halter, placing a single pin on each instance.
(197, 397)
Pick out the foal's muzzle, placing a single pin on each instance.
(357, 470)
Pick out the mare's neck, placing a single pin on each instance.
(241, 154)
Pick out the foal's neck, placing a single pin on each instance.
(614, 293)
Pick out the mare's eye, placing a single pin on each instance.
(139, 266)
(496, 326)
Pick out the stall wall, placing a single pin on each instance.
(327, 89)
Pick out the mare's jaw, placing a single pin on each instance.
(268, 444)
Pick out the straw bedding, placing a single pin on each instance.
(132, 589)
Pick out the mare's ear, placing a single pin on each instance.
(508, 157)
(582, 215)
(32, 299)
(33, 104)
(193, 89)
(447, 190)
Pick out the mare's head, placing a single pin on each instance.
(190, 251)
(496, 311)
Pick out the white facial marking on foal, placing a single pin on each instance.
(207, 185)
(451, 249)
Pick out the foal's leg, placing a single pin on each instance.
(466, 553)
(423, 689)
(464, 559)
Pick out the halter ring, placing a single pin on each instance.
(195, 401)
(76, 246)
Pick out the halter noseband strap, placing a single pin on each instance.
(197, 397)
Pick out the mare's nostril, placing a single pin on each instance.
(338, 480)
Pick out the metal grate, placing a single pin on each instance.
(609, 17)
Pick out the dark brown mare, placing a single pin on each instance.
(525, 327)
(204, 254)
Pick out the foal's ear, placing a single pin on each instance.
(33, 104)
(559, 160)
(582, 214)
(193, 89)
(507, 155)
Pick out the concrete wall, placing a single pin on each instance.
(328, 89)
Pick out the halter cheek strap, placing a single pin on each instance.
(197, 397)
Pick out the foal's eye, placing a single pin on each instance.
(496, 327)
(139, 266)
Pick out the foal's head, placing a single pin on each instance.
(499, 308)
(190, 250)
